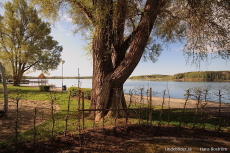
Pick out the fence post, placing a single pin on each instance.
(16, 121)
(35, 132)
(78, 114)
(83, 107)
(162, 107)
(219, 95)
(150, 106)
(67, 115)
(140, 114)
(198, 95)
(188, 94)
(52, 116)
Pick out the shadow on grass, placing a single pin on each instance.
(127, 139)
(188, 118)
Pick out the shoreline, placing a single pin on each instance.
(212, 108)
(180, 80)
(175, 102)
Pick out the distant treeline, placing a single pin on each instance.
(152, 77)
(59, 77)
(203, 76)
(190, 76)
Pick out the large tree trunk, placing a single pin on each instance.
(16, 81)
(112, 64)
(17, 78)
(110, 97)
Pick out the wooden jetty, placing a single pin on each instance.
(28, 81)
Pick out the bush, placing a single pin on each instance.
(74, 91)
(87, 94)
(44, 88)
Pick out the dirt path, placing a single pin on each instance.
(26, 116)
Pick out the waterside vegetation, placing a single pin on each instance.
(189, 76)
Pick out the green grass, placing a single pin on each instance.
(176, 117)
(24, 89)
(43, 130)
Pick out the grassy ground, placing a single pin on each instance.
(160, 118)
(31, 93)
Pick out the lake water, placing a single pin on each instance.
(175, 89)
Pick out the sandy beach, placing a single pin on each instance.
(179, 103)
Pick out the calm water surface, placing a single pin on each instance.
(175, 89)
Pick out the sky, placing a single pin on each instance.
(171, 60)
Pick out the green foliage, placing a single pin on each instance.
(190, 76)
(152, 77)
(201, 25)
(17, 95)
(87, 94)
(74, 91)
(44, 88)
(204, 76)
(25, 41)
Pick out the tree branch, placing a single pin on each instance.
(170, 13)
(118, 30)
(137, 41)
(85, 10)
(28, 67)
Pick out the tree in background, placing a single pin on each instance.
(124, 31)
(25, 42)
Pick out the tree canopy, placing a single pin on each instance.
(203, 26)
(25, 42)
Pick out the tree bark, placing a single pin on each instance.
(4, 89)
(110, 98)
(17, 78)
(16, 81)
(108, 76)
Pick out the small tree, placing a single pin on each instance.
(25, 42)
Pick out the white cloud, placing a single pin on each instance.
(67, 18)
(60, 27)
(68, 34)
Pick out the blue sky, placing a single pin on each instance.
(170, 61)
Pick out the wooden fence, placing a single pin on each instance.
(138, 112)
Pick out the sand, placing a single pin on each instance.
(180, 103)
